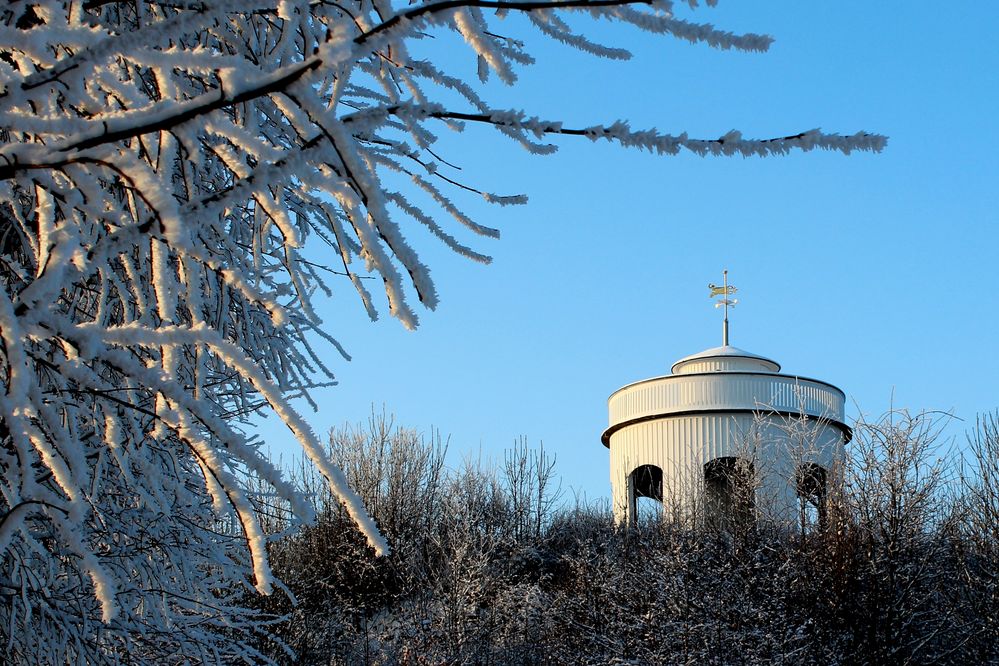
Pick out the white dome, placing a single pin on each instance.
(724, 359)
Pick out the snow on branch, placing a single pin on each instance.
(731, 143)
(177, 181)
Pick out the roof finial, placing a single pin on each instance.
(724, 291)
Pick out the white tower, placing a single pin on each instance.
(725, 436)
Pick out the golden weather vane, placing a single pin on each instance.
(724, 291)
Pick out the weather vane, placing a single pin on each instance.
(724, 291)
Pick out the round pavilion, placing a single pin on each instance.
(726, 437)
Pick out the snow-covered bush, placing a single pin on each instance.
(902, 573)
(178, 178)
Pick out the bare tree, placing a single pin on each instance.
(980, 537)
(899, 485)
(529, 478)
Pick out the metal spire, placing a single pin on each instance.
(724, 291)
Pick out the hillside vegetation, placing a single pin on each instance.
(490, 566)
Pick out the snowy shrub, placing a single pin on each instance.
(875, 586)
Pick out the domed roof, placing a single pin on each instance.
(724, 359)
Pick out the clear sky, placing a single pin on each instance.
(875, 272)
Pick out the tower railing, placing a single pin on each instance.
(709, 392)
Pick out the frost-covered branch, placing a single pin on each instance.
(731, 143)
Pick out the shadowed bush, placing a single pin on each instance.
(488, 567)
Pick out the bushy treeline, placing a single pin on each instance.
(489, 567)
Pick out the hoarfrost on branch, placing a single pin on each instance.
(168, 170)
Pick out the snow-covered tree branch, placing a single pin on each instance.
(168, 171)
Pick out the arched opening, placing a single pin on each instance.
(729, 492)
(810, 484)
(645, 494)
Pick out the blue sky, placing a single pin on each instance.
(872, 271)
